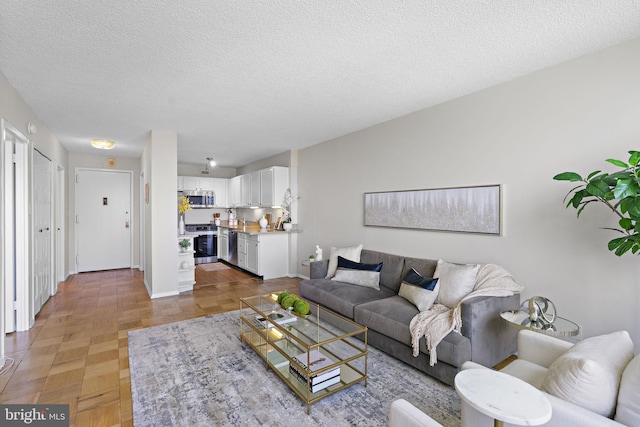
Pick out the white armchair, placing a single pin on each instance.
(594, 376)
(536, 354)
(404, 414)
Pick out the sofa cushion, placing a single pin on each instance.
(391, 317)
(456, 281)
(352, 253)
(352, 265)
(419, 290)
(392, 267)
(526, 371)
(338, 296)
(370, 279)
(628, 408)
(588, 374)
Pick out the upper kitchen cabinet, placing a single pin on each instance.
(245, 190)
(217, 185)
(235, 188)
(274, 182)
(255, 189)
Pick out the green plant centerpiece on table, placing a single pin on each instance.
(619, 191)
(294, 303)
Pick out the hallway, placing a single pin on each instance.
(77, 353)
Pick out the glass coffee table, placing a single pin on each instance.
(315, 355)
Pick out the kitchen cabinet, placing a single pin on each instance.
(245, 190)
(263, 188)
(274, 182)
(190, 183)
(264, 254)
(186, 266)
(223, 244)
(235, 186)
(217, 185)
(255, 188)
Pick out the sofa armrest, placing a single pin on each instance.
(492, 339)
(318, 269)
(404, 414)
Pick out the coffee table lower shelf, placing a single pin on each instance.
(349, 374)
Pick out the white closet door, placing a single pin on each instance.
(103, 220)
(42, 230)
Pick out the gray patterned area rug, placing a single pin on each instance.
(198, 373)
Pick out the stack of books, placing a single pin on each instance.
(316, 361)
(279, 316)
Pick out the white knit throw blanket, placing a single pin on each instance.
(436, 323)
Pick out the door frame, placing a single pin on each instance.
(75, 213)
(60, 227)
(21, 238)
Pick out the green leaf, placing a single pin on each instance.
(626, 188)
(633, 208)
(635, 158)
(597, 188)
(626, 223)
(568, 176)
(618, 163)
(577, 198)
(615, 243)
(592, 174)
(584, 205)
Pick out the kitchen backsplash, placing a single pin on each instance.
(205, 216)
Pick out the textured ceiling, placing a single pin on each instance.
(244, 80)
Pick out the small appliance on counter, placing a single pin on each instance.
(205, 243)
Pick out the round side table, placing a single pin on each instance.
(560, 328)
(503, 397)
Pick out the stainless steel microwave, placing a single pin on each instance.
(200, 199)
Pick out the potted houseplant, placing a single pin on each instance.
(184, 245)
(619, 191)
(286, 208)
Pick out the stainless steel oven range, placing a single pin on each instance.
(205, 243)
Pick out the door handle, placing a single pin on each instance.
(126, 223)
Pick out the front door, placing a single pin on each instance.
(103, 218)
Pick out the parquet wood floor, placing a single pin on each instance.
(77, 352)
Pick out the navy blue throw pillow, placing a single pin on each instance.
(417, 279)
(347, 263)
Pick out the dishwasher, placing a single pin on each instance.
(233, 247)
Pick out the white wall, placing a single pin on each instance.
(519, 134)
(160, 167)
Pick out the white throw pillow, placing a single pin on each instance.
(456, 281)
(370, 279)
(422, 298)
(588, 374)
(351, 253)
(628, 409)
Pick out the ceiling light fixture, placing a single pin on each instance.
(103, 144)
(210, 162)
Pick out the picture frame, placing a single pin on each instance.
(475, 209)
(278, 223)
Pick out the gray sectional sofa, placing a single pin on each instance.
(486, 339)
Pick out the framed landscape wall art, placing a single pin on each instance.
(461, 209)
